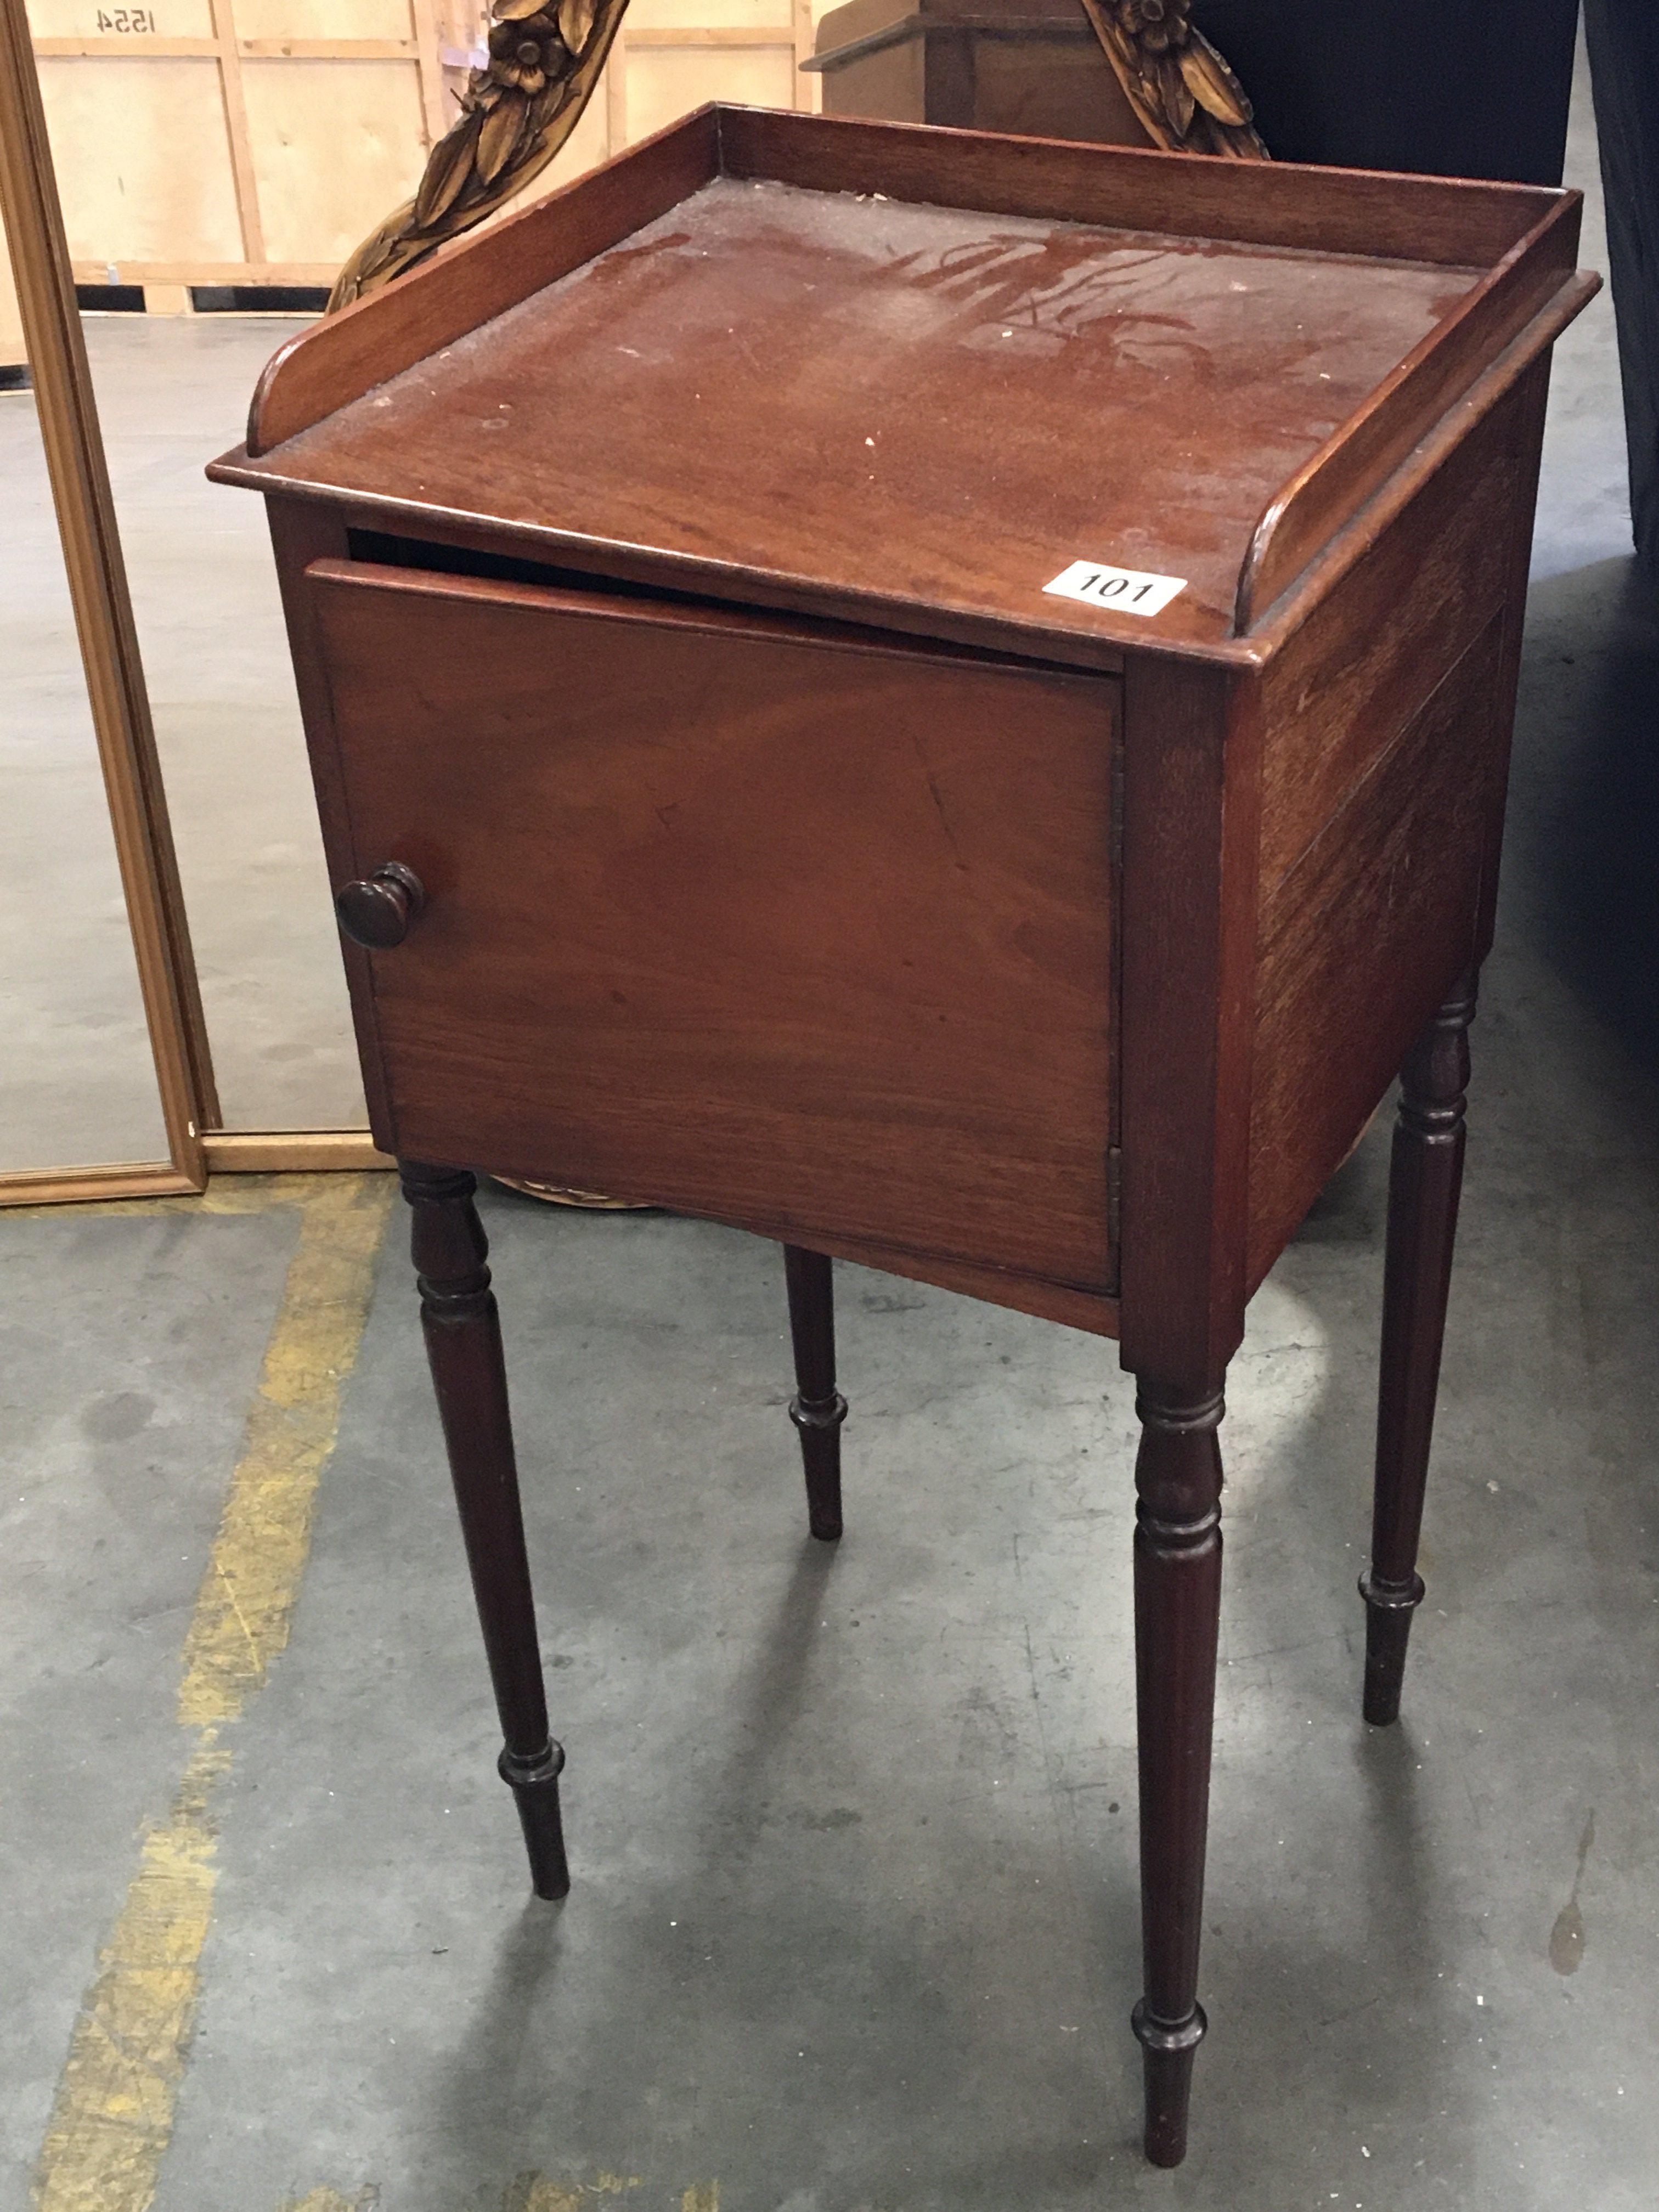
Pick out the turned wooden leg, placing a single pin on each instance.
(464, 1346)
(1177, 1613)
(817, 1409)
(1424, 1183)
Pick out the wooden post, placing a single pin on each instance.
(1178, 1626)
(463, 1348)
(817, 1408)
(1423, 1185)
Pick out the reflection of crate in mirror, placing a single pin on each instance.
(219, 145)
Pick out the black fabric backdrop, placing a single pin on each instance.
(1451, 87)
(1624, 44)
(1477, 88)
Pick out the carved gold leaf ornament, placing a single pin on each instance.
(1187, 98)
(544, 61)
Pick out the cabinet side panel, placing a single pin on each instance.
(1361, 941)
(1398, 694)
(1338, 697)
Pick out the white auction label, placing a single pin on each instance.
(1130, 591)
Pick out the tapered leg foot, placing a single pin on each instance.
(1388, 1630)
(1424, 1181)
(535, 1786)
(820, 1450)
(464, 1350)
(1167, 2054)
(1178, 1623)
(817, 1409)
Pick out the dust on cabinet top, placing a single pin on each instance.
(911, 376)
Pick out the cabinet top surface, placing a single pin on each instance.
(870, 398)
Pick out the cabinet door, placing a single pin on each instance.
(807, 932)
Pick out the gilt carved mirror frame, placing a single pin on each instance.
(545, 57)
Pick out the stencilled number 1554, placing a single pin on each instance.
(1129, 591)
(126, 19)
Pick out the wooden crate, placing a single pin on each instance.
(256, 142)
(233, 141)
(675, 54)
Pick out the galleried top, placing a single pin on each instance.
(912, 377)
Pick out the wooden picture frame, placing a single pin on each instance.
(51, 328)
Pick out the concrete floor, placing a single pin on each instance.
(854, 1925)
(79, 1085)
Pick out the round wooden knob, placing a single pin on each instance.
(377, 910)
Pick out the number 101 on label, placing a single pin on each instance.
(1128, 591)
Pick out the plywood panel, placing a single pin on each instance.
(335, 146)
(143, 159)
(324, 19)
(461, 23)
(100, 19)
(664, 82)
(705, 15)
(259, 165)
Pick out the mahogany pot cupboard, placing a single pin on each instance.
(943, 699)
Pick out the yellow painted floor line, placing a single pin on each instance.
(112, 2116)
(530, 2192)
